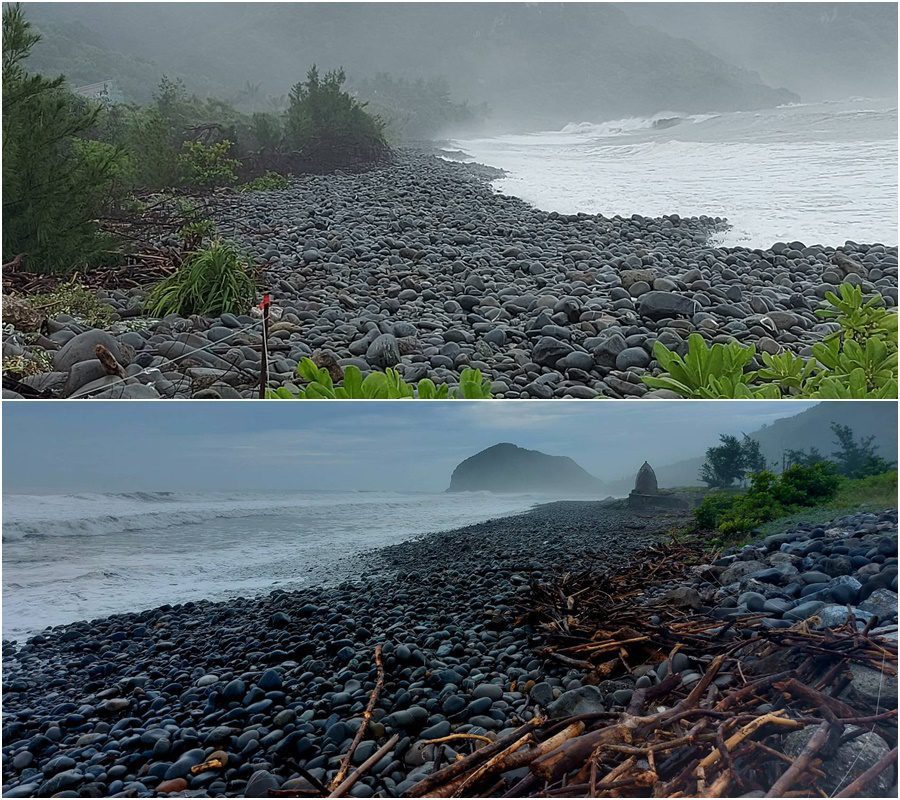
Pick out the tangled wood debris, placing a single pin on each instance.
(715, 730)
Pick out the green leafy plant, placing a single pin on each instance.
(211, 281)
(705, 371)
(76, 301)
(379, 386)
(868, 369)
(208, 165)
(769, 496)
(859, 360)
(193, 233)
(269, 182)
(859, 319)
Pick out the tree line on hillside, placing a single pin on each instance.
(735, 459)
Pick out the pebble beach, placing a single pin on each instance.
(268, 692)
(421, 266)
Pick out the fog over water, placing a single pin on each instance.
(781, 117)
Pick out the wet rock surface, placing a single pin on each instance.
(271, 690)
(127, 705)
(421, 266)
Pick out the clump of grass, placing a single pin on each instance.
(269, 182)
(212, 281)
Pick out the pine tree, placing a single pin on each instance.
(54, 183)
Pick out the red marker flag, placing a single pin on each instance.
(266, 301)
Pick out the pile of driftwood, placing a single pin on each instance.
(141, 258)
(717, 736)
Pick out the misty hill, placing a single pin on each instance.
(533, 64)
(787, 43)
(811, 428)
(508, 468)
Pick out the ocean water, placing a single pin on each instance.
(819, 173)
(82, 556)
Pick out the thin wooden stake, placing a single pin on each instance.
(264, 355)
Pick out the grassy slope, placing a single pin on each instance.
(866, 494)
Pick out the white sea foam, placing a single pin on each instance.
(81, 556)
(820, 173)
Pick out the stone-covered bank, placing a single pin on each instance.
(421, 266)
(273, 687)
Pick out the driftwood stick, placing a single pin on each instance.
(367, 715)
(525, 757)
(361, 770)
(456, 736)
(456, 787)
(793, 773)
(774, 717)
(454, 770)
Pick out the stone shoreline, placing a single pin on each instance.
(272, 688)
(126, 703)
(421, 266)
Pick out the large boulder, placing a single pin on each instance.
(384, 351)
(583, 700)
(659, 305)
(549, 350)
(848, 762)
(83, 347)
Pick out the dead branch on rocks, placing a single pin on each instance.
(360, 732)
(714, 728)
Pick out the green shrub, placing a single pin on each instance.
(857, 361)
(54, 187)
(269, 182)
(859, 319)
(207, 166)
(380, 385)
(327, 125)
(713, 507)
(805, 486)
(769, 496)
(707, 371)
(193, 233)
(211, 281)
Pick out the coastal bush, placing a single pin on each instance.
(214, 280)
(379, 385)
(769, 496)
(193, 233)
(54, 188)
(707, 371)
(857, 361)
(207, 166)
(327, 125)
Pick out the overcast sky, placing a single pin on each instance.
(397, 445)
